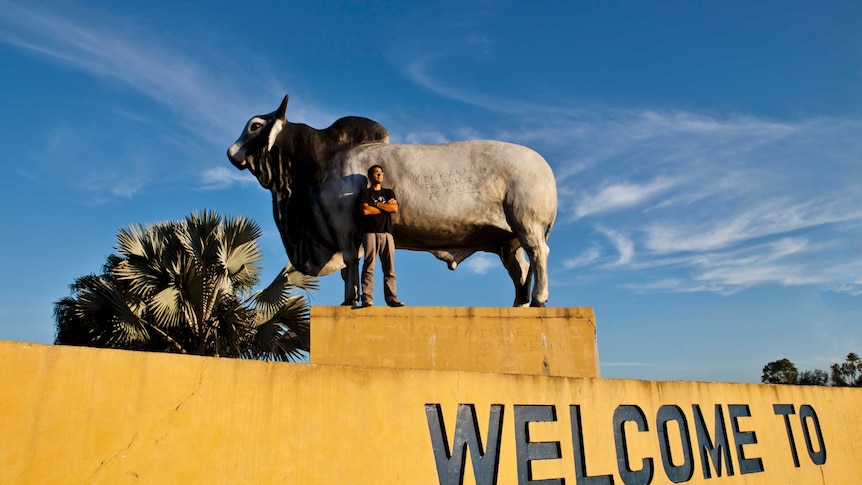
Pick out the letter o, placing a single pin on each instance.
(683, 472)
(806, 412)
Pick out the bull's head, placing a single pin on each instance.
(256, 149)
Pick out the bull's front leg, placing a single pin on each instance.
(350, 275)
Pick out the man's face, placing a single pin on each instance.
(377, 175)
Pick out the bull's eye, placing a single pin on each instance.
(255, 126)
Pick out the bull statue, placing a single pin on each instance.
(454, 199)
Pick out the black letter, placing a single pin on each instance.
(681, 473)
(746, 465)
(581, 477)
(450, 467)
(807, 412)
(632, 413)
(786, 410)
(708, 450)
(527, 451)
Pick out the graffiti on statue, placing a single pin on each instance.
(455, 199)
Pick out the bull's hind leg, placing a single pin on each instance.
(533, 242)
(518, 267)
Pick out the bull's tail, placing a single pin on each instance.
(548, 229)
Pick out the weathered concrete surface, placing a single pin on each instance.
(534, 341)
(80, 415)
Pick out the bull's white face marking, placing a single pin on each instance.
(233, 153)
(237, 152)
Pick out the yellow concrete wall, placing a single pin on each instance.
(79, 415)
(536, 341)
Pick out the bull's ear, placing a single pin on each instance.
(279, 114)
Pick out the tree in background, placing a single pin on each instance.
(814, 377)
(848, 373)
(187, 287)
(780, 372)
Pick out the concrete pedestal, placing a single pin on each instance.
(532, 341)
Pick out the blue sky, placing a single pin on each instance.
(707, 154)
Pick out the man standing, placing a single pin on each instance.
(377, 206)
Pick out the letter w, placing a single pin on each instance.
(450, 466)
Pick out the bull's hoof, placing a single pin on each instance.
(538, 304)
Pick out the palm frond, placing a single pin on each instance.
(71, 328)
(130, 241)
(240, 252)
(198, 233)
(86, 282)
(149, 253)
(167, 307)
(230, 330)
(103, 302)
(239, 230)
(268, 300)
(242, 264)
(300, 280)
(200, 236)
(112, 262)
(285, 336)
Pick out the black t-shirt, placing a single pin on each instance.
(378, 222)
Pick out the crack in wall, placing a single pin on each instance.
(118, 454)
(169, 421)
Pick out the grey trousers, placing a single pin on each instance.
(383, 245)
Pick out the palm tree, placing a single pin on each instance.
(187, 287)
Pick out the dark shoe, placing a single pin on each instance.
(394, 303)
(367, 304)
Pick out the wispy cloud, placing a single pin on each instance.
(480, 264)
(623, 244)
(207, 106)
(785, 262)
(118, 50)
(425, 137)
(223, 177)
(772, 262)
(674, 285)
(420, 71)
(114, 183)
(619, 196)
(854, 289)
(587, 257)
(769, 217)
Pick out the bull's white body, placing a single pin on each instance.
(454, 199)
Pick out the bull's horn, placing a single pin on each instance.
(282, 109)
